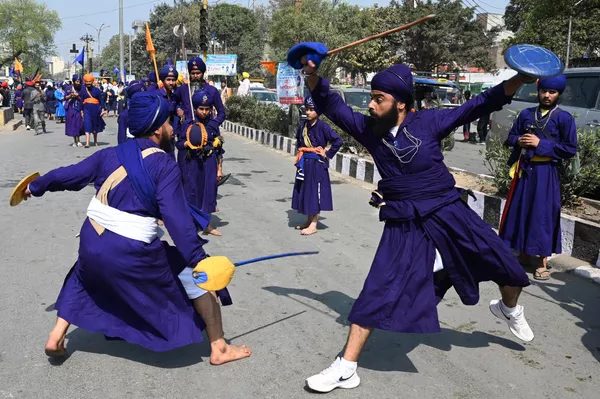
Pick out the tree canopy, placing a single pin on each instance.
(27, 31)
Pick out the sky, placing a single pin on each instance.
(74, 15)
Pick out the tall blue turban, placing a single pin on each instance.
(396, 81)
(147, 112)
(310, 103)
(202, 98)
(558, 83)
(168, 71)
(152, 77)
(196, 64)
(75, 77)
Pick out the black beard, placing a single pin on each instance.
(77, 87)
(381, 125)
(166, 143)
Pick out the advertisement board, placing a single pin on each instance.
(290, 85)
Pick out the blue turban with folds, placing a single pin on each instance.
(310, 103)
(147, 112)
(152, 77)
(196, 64)
(558, 83)
(134, 87)
(168, 71)
(203, 98)
(396, 81)
(75, 77)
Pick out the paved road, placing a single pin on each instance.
(291, 311)
(466, 156)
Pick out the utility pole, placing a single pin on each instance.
(121, 50)
(569, 35)
(130, 70)
(99, 30)
(87, 38)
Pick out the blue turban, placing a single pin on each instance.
(147, 112)
(310, 103)
(203, 98)
(196, 64)
(168, 71)
(558, 83)
(315, 52)
(75, 77)
(396, 81)
(135, 87)
(152, 77)
(145, 79)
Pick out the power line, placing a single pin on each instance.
(491, 6)
(116, 9)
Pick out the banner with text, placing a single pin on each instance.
(221, 64)
(290, 85)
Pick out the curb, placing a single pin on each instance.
(580, 238)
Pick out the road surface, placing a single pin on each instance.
(291, 311)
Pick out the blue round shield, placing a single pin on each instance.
(534, 61)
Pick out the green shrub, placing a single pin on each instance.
(585, 182)
(248, 111)
(350, 146)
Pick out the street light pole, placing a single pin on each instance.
(569, 35)
(121, 56)
(99, 30)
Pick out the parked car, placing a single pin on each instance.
(581, 98)
(354, 97)
(267, 97)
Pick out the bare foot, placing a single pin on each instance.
(213, 231)
(309, 231)
(221, 354)
(304, 226)
(55, 347)
(217, 210)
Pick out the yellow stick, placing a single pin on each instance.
(155, 68)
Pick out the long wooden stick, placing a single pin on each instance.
(377, 36)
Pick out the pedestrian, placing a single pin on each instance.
(59, 95)
(19, 99)
(127, 283)
(135, 86)
(244, 88)
(312, 188)
(50, 101)
(467, 127)
(38, 100)
(423, 214)
(482, 127)
(28, 93)
(74, 111)
(542, 138)
(92, 110)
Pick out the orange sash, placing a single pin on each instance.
(301, 152)
(90, 99)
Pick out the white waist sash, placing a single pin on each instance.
(125, 224)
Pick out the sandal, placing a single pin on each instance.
(541, 274)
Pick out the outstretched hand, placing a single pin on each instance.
(26, 194)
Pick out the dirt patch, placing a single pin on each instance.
(585, 210)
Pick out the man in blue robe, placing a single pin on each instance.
(168, 75)
(184, 108)
(74, 111)
(546, 136)
(93, 109)
(127, 283)
(199, 167)
(312, 187)
(152, 81)
(423, 212)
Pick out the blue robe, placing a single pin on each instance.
(92, 121)
(313, 194)
(199, 173)
(19, 99)
(125, 288)
(182, 99)
(60, 107)
(50, 102)
(174, 119)
(423, 211)
(532, 224)
(122, 123)
(73, 119)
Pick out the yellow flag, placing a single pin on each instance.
(149, 45)
(18, 66)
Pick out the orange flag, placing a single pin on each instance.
(149, 45)
(270, 65)
(18, 66)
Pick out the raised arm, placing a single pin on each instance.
(68, 178)
(487, 102)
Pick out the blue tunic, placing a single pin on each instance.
(92, 121)
(313, 194)
(182, 99)
(50, 102)
(423, 212)
(532, 224)
(73, 119)
(125, 288)
(199, 173)
(122, 123)
(60, 107)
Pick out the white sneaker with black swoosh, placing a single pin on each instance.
(515, 320)
(335, 376)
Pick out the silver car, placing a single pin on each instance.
(267, 97)
(580, 98)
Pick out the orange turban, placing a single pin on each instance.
(88, 77)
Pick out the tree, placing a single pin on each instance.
(28, 29)
(110, 57)
(453, 36)
(536, 23)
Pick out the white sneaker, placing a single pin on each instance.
(516, 322)
(335, 376)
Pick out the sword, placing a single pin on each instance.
(201, 277)
(223, 179)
